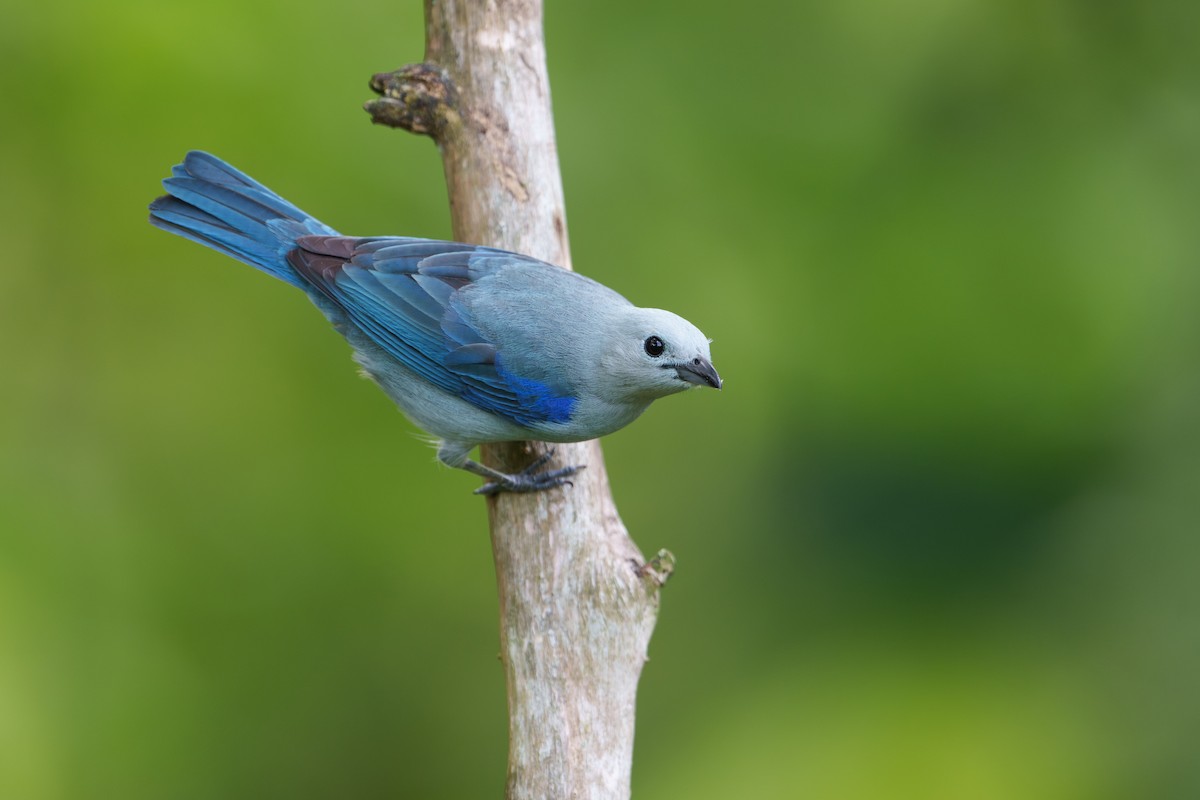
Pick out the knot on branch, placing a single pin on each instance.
(658, 570)
(419, 98)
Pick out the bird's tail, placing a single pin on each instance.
(214, 204)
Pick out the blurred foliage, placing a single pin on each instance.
(936, 539)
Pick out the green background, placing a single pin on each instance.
(937, 538)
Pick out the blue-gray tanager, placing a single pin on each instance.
(474, 344)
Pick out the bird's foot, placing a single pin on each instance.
(528, 479)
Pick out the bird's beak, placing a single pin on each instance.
(699, 371)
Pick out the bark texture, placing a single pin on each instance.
(578, 601)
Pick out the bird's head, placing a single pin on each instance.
(655, 353)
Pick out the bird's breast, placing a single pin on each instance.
(592, 418)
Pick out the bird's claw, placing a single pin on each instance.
(530, 480)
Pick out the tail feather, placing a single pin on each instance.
(214, 204)
(190, 222)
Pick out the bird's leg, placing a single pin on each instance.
(527, 480)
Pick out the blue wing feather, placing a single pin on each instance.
(468, 356)
(400, 293)
(413, 329)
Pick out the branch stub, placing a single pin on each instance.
(419, 98)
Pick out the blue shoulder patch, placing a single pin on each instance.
(537, 397)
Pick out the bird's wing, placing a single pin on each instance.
(402, 293)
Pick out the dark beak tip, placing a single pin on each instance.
(713, 377)
(700, 374)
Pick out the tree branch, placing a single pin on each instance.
(578, 601)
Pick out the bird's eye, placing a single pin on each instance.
(655, 346)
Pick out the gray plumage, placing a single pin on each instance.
(473, 344)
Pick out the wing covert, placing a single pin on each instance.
(401, 293)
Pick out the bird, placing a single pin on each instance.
(474, 344)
